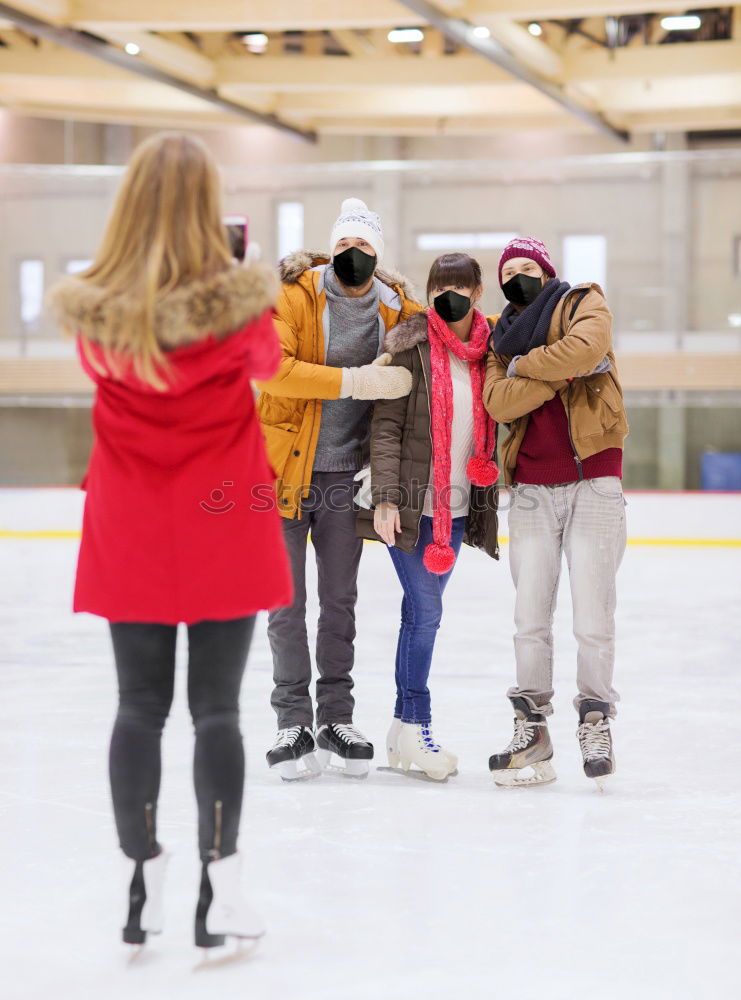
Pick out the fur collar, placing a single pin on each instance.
(406, 335)
(219, 305)
(410, 333)
(295, 264)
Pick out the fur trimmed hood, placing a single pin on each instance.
(411, 332)
(406, 335)
(219, 305)
(295, 264)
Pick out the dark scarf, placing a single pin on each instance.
(518, 333)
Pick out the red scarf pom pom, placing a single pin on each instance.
(439, 559)
(481, 471)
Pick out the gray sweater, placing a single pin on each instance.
(344, 431)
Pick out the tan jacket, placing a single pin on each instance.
(290, 404)
(580, 336)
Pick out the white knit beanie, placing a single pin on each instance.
(356, 220)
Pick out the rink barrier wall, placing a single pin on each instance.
(690, 519)
(718, 543)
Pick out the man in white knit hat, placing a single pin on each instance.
(333, 314)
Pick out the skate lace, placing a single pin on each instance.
(594, 739)
(287, 737)
(428, 740)
(524, 732)
(348, 733)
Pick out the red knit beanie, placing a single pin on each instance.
(526, 246)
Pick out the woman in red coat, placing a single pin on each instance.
(177, 527)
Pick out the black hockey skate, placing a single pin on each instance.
(527, 759)
(595, 740)
(292, 754)
(344, 749)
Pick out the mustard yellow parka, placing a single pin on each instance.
(290, 404)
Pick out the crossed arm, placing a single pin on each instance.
(540, 374)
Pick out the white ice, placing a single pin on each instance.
(390, 888)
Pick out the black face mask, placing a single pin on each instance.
(451, 306)
(353, 267)
(522, 290)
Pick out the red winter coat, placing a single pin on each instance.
(180, 522)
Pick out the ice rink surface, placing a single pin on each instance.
(391, 888)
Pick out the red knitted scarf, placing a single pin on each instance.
(482, 471)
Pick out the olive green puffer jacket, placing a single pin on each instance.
(401, 450)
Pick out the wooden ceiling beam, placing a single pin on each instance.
(293, 74)
(98, 48)
(533, 52)
(187, 64)
(236, 15)
(654, 61)
(506, 99)
(356, 45)
(365, 73)
(266, 15)
(463, 32)
(545, 10)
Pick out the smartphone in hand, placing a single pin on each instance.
(237, 228)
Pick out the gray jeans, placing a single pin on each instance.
(587, 522)
(330, 516)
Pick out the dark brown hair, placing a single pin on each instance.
(454, 269)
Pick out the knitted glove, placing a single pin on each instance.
(377, 381)
(363, 494)
(602, 367)
(511, 368)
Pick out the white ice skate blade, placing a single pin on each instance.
(524, 777)
(245, 949)
(603, 783)
(303, 769)
(394, 760)
(332, 763)
(417, 775)
(138, 954)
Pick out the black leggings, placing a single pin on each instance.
(145, 662)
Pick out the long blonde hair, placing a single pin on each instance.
(165, 230)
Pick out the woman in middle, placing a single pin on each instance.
(432, 485)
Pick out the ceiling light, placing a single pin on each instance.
(256, 40)
(687, 22)
(132, 49)
(535, 29)
(481, 32)
(398, 35)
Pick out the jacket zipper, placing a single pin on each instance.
(432, 456)
(299, 501)
(579, 467)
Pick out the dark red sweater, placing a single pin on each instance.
(546, 456)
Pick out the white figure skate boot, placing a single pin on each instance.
(222, 909)
(417, 746)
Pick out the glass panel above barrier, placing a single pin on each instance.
(673, 261)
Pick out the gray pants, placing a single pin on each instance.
(330, 516)
(586, 521)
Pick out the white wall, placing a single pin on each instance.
(58, 218)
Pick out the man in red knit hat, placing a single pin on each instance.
(552, 378)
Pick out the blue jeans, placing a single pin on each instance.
(421, 611)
